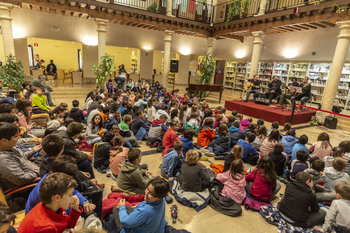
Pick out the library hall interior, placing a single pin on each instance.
(174, 116)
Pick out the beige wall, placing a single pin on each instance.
(122, 55)
(157, 61)
(184, 68)
(21, 50)
(89, 59)
(146, 65)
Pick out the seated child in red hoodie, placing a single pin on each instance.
(56, 195)
(262, 181)
(170, 137)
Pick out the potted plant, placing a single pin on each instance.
(206, 68)
(153, 8)
(12, 75)
(232, 11)
(245, 4)
(104, 69)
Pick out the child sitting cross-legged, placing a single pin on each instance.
(38, 101)
(332, 176)
(172, 161)
(170, 137)
(206, 133)
(299, 205)
(53, 146)
(195, 176)
(222, 143)
(118, 155)
(56, 195)
(278, 158)
(131, 178)
(94, 130)
(317, 167)
(337, 218)
(101, 153)
(262, 182)
(234, 182)
(299, 164)
(249, 155)
(229, 158)
(189, 145)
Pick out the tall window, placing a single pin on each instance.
(80, 63)
(31, 55)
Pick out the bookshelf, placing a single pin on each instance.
(133, 62)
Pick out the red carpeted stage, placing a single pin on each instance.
(268, 113)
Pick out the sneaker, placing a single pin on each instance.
(210, 154)
(168, 199)
(203, 158)
(173, 210)
(52, 105)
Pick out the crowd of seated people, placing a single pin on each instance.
(55, 182)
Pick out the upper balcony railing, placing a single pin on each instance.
(204, 11)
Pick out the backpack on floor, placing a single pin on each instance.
(261, 100)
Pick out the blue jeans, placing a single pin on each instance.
(120, 81)
(128, 145)
(141, 133)
(304, 100)
(254, 91)
(48, 95)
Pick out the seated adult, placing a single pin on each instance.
(254, 88)
(39, 82)
(284, 97)
(139, 125)
(274, 88)
(73, 132)
(306, 92)
(15, 167)
(149, 215)
(52, 70)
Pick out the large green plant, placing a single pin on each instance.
(104, 69)
(206, 68)
(12, 74)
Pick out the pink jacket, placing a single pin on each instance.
(22, 121)
(267, 146)
(233, 189)
(117, 159)
(244, 124)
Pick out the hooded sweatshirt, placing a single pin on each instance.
(77, 115)
(315, 175)
(235, 135)
(131, 177)
(337, 215)
(233, 189)
(188, 145)
(244, 124)
(157, 130)
(333, 177)
(205, 136)
(288, 141)
(279, 160)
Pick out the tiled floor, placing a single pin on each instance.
(207, 220)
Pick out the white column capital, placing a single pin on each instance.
(5, 11)
(167, 35)
(258, 36)
(344, 27)
(101, 25)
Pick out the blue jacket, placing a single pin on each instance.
(110, 123)
(171, 161)
(298, 147)
(235, 135)
(137, 123)
(288, 141)
(188, 145)
(248, 149)
(221, 144)
(122, 109)
(147, 217)
(33, 198)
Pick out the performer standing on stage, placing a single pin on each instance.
(306, 92)
(254, 85)
(274, 88)
(284, 97)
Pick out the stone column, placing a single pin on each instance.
(169, 8)
(262, 7)
(210, 45)
(6, 28)
(337, 65)
(257, 46)
(166, 59)
(101, 29)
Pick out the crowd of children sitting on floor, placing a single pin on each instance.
(55, 182)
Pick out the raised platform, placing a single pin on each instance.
(269, 113)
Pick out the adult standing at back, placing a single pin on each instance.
(121, 76)
(39, 82)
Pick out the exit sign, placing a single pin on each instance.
(36, 44)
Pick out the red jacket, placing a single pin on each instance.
(169, 139)
(43, 219)
(205, 136)
(261, 189)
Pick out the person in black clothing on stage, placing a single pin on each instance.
(306, 92)
(284, 97)
(274, 88)
(255, 88)
(52, 69)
